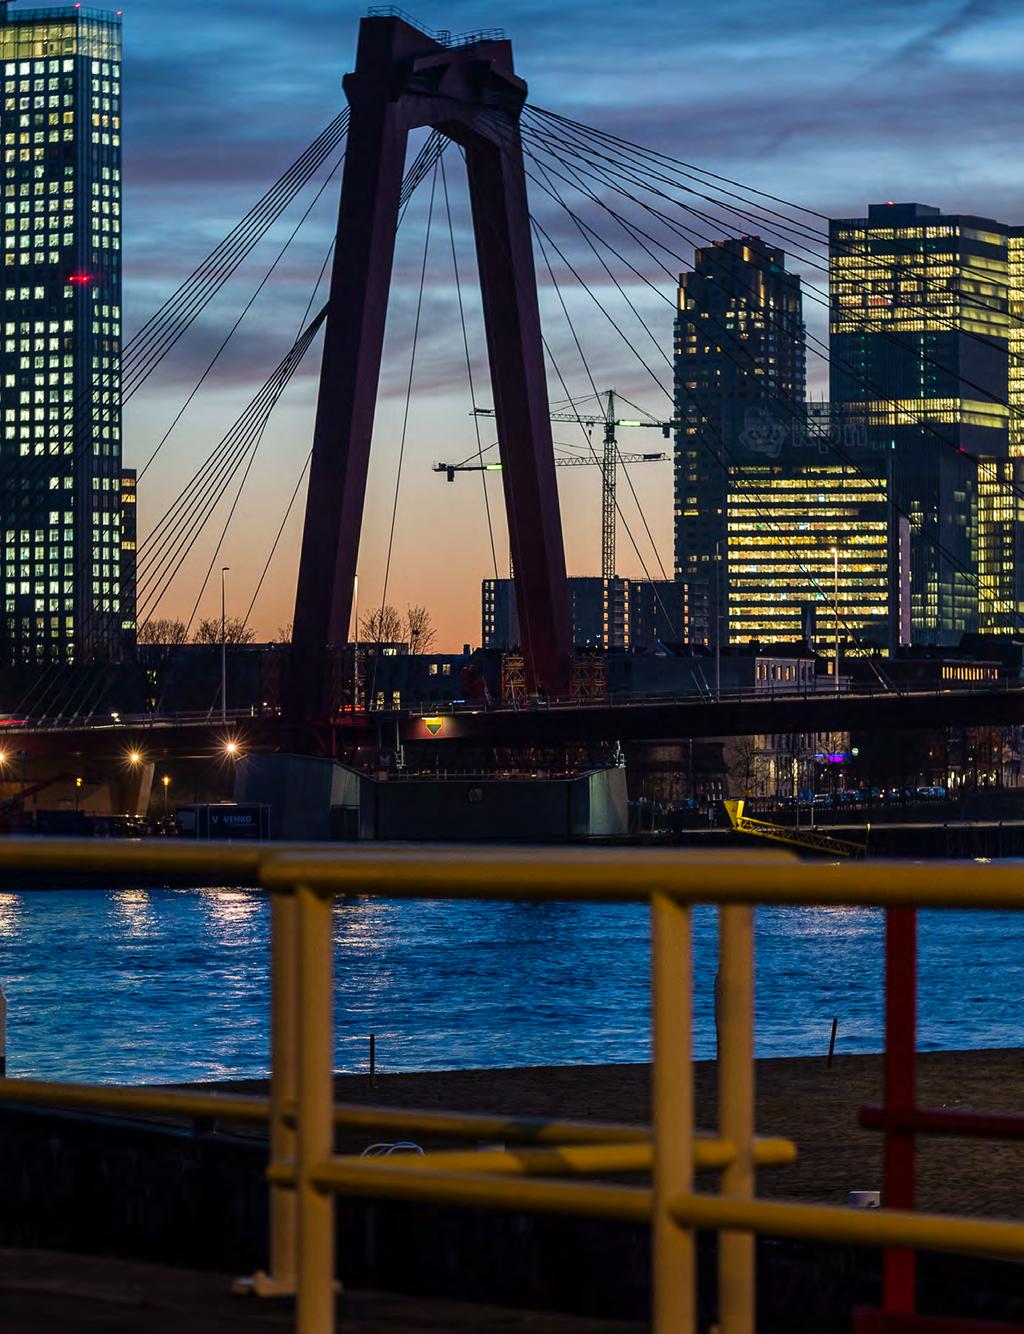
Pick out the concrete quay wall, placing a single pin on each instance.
(313, 798)
(197, 1198)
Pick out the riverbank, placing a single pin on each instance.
(957, 840)
(800, 1098)
(194, 1196)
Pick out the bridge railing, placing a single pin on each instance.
(443, 36)
(119, 721)
(769, 692)
(553, 1166)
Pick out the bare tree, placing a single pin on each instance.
(382, 626)
(163, 630)
(284, 634)
(419, 630)
(208, 631)
(741, 757)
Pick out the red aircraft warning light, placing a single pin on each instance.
(80, 279)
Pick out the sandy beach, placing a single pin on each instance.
(800, 1098)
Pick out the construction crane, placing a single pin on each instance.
(608, 465)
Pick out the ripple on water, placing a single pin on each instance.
(162, 985)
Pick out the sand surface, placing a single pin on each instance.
(799, 1098)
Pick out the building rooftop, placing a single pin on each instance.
(9, 13)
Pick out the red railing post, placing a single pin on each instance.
(899, 1269)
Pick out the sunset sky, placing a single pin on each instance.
(833, 106)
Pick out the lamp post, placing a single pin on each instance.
(166, 780)
(355, 645)
(223, 648)
(835, 607)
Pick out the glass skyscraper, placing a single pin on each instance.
(740, 369)
(922, 343)
(815, 549)
(66, 567)
(784, 527)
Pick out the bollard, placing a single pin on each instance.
(3, 1034)
(832, 1043)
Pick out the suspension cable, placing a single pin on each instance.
(670, 620)
(430, 152)
(718, 458)
(469, 370)
(245, 311)
(408, 393)
(990, 468)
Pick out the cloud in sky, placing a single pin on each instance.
(829, 105)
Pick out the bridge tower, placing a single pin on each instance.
(466, 89)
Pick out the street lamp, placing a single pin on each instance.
(231, 749)
(134, 758)
(355, 645)
(166, 780)
(223, 649)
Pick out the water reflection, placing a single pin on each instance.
(134, 912)
(167, 985)
(10, 914)
(230, 909)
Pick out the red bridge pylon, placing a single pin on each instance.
(405, 80)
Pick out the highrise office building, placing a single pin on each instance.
(613, 614)
(816, 551)
(64, 563)
(740, 371)
(921, 334)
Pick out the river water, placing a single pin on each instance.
(166, 985)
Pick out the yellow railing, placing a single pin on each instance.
(814, 840)
(544, 1174)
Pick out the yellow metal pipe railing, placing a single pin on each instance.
(674, 1248)
(709, 1155)
(736, 1109)
(313, 1025)
(630, 1204)
(570, 1160)
(281, 1278)
(305, 1173)
(609, 876)
(185, 1103)
(475, 1126)
(866, 1227)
